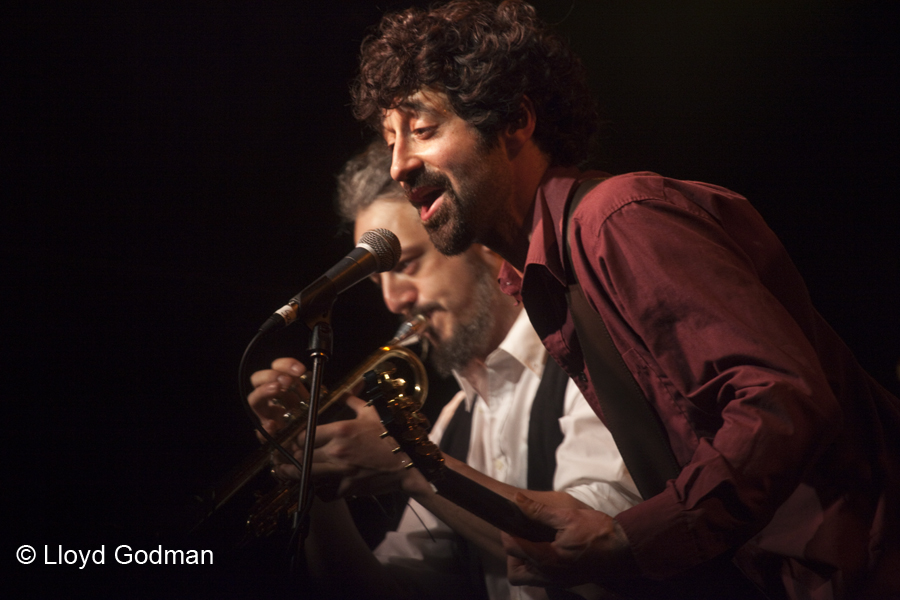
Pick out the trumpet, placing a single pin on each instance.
(269, 508)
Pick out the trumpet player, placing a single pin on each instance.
(517, 424)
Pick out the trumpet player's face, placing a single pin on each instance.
(468, 315)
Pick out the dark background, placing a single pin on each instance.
(169, 180)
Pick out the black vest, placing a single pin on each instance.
(544, 434)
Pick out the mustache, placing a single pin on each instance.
(426, 178)
(426, 310)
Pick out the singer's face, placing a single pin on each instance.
(458, 294)
(455, 178)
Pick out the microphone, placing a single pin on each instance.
(378, 250)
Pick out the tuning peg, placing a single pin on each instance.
(383, 434)
(409, 465)
(396, 450)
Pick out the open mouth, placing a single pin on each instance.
(427, 199)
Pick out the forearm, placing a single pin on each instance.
(338, 557)
(485, 535)
(549, 498)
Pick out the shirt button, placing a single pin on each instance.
(498, 464)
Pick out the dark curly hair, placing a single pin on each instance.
(485, 58)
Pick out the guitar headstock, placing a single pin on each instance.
(400, 416)
(402, 420)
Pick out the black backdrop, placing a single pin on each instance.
(169, 183)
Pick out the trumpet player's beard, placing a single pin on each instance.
(470, 336)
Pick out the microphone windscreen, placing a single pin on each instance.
(384, 245)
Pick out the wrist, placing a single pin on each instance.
(625, 561)
(415, 484)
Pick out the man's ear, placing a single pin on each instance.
(520, 131)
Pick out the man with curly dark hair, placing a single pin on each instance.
(514, 55)
(785, 453)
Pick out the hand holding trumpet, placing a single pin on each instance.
(350, 457)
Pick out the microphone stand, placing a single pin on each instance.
(321, 343)
(319, 350)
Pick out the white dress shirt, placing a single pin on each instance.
(499, 393)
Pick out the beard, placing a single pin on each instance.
(450, 231)
(451, 228)
(473, 207)
(469, 338)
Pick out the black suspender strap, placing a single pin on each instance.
(544, 437)
(544, 434)
(457, 435)
(635, 426)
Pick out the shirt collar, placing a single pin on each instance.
(550, 208)
(521, 345)
(546, 229)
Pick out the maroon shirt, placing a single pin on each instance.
(789, 450)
